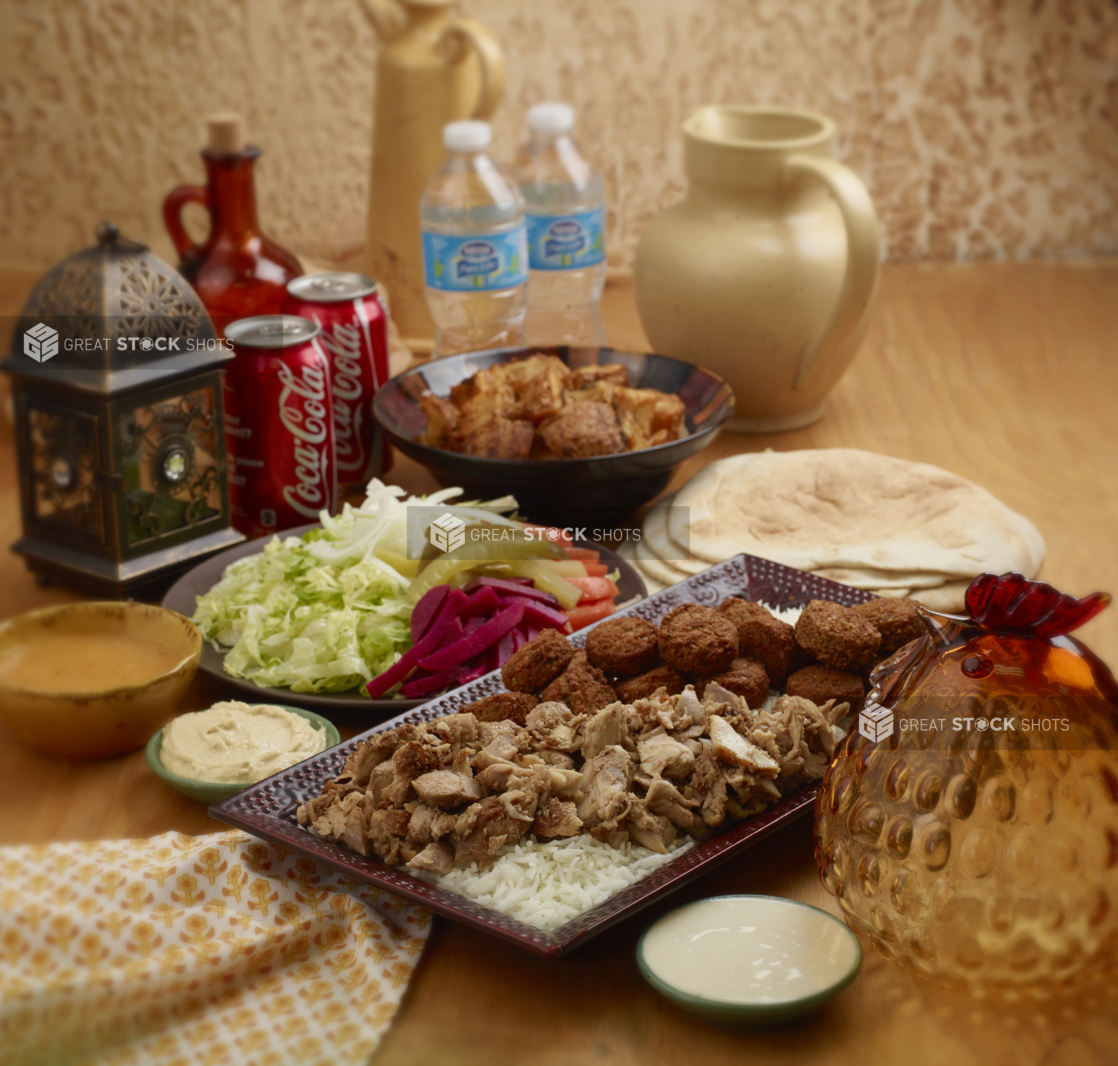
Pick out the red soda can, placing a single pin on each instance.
(355, 338)
(278, 425)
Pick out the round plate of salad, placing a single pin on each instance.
(361, 611)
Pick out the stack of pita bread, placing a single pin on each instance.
(886, 525)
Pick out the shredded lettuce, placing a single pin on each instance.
(321, 612)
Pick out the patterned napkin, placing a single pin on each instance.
(182, 950)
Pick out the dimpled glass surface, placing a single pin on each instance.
(983, 857)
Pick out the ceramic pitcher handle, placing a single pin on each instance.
(863, 243)
(176, 200)
(491, 61)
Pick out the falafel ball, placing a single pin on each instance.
(623, 647)
(762, 636)
(697, 640)
(582, 687)
(837, 636)
(822, 683)
(745, 678)
(539, 661)
(896, 619)
(502, 707)
(644, 685)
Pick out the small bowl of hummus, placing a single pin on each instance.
(208, 755)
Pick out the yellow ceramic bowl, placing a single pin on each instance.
(107, 720)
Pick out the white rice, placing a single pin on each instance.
(546, 884)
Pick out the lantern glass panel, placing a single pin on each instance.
(169, 462)
(64, 456)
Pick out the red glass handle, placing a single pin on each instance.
(176, 200)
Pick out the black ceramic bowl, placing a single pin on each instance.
(559, 491)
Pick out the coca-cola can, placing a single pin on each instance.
(279, 428)
(355, 338)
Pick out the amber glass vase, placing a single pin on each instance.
(976, 842)
(237, 271)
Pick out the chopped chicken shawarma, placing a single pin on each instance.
(458, 789)
(605, 785)
(652, 831)
(665, 756)
(566, 784)
(710, 786)
(445, 788)
(409, 762)
(557, 818)
(664, 798)
(457, 728)
(428, 824)
(489, 828)
(608, 726)
(721, 701)
(731, 747)
(552, 725)
(438, 858)
(387, 830)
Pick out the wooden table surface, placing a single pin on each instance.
(1004, 373)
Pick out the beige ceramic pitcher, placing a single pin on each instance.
(766, 272)
(433, 68)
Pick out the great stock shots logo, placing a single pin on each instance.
(40, 342)
(447, 533)
(876, 722)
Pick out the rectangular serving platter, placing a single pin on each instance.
(267, 810)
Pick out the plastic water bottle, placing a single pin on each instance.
(475, 256)
(565, 205)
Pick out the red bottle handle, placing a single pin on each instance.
(176, 200)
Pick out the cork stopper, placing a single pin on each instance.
(226, 133)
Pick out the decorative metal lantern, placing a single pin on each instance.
(119, 423)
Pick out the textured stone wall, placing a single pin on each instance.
(982, 127)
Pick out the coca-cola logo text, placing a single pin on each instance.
(343, 342)
(305, 414)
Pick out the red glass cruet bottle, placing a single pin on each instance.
(237, 271)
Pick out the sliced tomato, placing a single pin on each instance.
(585, 613)
(593, 588)
(587, 555)
(595, 569)
(562, 540)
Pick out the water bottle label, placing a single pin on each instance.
(475, 264)
(570, 242)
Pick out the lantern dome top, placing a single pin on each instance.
(111, 318)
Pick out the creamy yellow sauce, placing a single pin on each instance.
(86, 662)
(234, 743)
(749, 950)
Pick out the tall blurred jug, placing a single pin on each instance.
(766, 272)
(433, 68)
